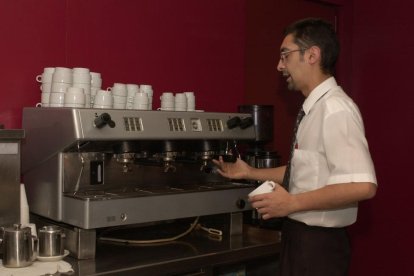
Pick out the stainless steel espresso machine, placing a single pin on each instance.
(87, 169)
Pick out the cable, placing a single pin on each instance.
(192, 226)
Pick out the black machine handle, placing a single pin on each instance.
(233, 122)
(103, 120)
(246, 122)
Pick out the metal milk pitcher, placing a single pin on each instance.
(51, 241)
(19, 246)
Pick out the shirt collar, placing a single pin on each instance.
(318, 92)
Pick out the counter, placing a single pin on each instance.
(195, 254)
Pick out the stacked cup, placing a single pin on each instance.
(119, 95)
(141, 101)
(75, 97)
(167, 101)
(82, 79)
(190, 101)
(103, 99)
(132, 89)
(61, 81)
(147, 89)
(96, 84)
(180, 102)
(46, 85)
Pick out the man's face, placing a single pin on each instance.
(291, 62)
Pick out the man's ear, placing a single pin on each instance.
(314, 54)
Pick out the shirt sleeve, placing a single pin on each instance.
(345, 145)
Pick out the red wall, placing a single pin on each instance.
(382, 56)
(180, 45)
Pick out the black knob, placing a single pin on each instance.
(103, 120)
(233, 122)
(246, 122)
(240, 203)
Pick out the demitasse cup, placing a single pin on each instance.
(56, 99)
(62, 74)
(46, 76)
(60, 87)
(119, 89)
(266, 187)
(75, 97)
(82, 75)
(103, 99)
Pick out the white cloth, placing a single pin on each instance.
(331, 148)
(36, 269)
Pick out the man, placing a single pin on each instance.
(331, 169)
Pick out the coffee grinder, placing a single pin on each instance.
(259, 153)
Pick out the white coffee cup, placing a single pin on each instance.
(118, 89)
(119, 99)
(46, 76)
(75, 97)
(85, 86)
(266, 187)
(103, 99)
(56, 99)
(96, 80)
(81, 75)
(46, 87)
(60, 87)
(62, 74)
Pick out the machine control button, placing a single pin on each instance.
(241, 203)
(124, 217)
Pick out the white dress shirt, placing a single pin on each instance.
(331, 148)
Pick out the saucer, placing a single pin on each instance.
(53, 258)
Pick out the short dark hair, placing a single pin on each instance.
(310, 32)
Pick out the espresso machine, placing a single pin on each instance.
(87, 169)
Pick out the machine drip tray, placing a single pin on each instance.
(129, 192)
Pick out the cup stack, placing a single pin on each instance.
(147, 89)
(190, 101)
(82, 79)
(132, 89)
(46, 85)
(96, 85)
(167, 101)
(61, 81)
(141, 101)
(180, 102)
(119, 95)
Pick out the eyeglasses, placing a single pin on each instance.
(285, 54)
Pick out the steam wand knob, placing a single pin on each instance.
(103, 120)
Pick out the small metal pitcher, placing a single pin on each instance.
(51, 241)
(19, 246)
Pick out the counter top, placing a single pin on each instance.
(190, 254)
